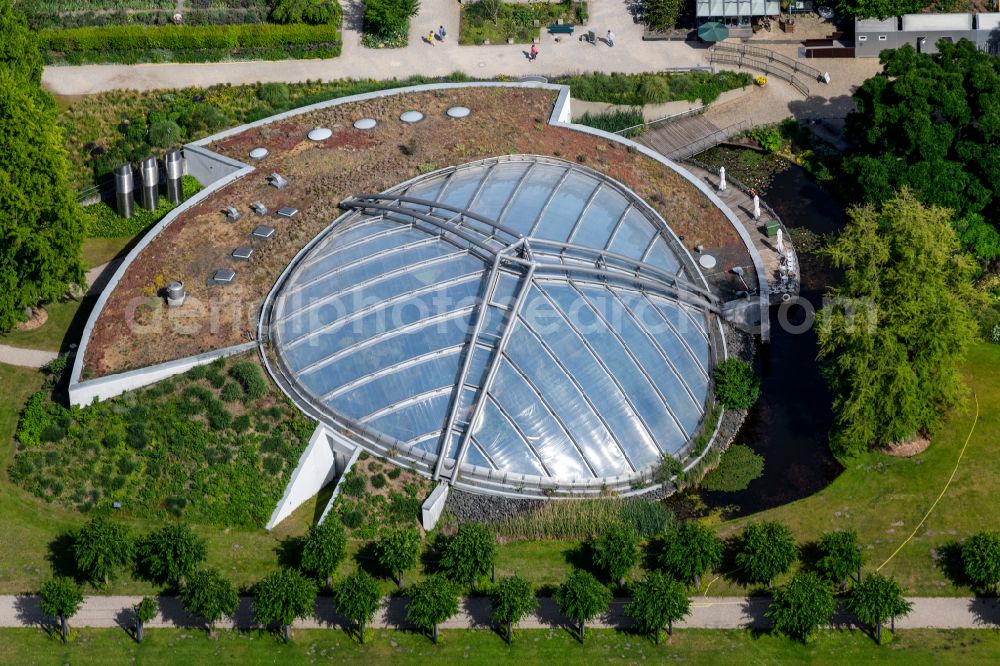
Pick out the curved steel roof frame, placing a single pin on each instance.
(520, 259)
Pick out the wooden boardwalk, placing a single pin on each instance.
(678, 139)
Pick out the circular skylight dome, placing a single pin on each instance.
(521, 324)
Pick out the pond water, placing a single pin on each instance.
(790, 422)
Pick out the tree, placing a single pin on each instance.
(283, 597)
(61, 599)
(928, 122)
(19, 47)
(840, 556)
(893, 335)
(103, 548)
(512, 598)
(324, 549)
(470, 554)
(616, 551)
(658, 600)
(171, 553)
(581, 598)
(981, 559)
(690, 550)
(431, 603)
(209, 595)
(801, 606)
(398, 551)
(145, 611)
(492, 9)
(357, 598)
(736, 385)
(767, 549)
(42, 227)
(876, 599)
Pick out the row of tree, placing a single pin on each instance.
(174, 555)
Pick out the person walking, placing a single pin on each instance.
(430, 38)
(533, 54)
(611, 38)
(441, 33)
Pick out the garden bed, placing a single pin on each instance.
(498, 21)
(215, 445)
(503, 121)
(378, 495)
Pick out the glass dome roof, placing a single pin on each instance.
(516, 321)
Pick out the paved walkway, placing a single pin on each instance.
(26, 358)
(710, 613)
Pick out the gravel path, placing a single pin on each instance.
(709, 613)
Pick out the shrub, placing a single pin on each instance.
(354, 485)
(248, 374)
(313, 12)
(583, 519)
(736, 385)
(274, 94)
(388, 18)
(661, 15)
(353, 518)
(378, 481)
(231, 392)
(394, 472)
(737, 468)
(165, 134)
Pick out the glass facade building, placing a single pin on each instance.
(520, 324)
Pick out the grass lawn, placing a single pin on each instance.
(536, 646)
(97, 251)
(884, 498)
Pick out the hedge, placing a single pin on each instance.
(130, 39)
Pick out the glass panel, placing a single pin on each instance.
(692, 333)
(649, 356)
(461, 186)
(427, 189)
(637, 385)
(656, 316)
(426, 415)
(565, 400)
(661, 256)
(633, 411)
(400, 237)
(565, 208)
(475, 456)
(600, 219)
(350, 230)
(501, 441)
(548, 438)
(365, 319)
(350, 297)
(390, 389)
(533, 194)
(505, 290)
(357, 272)
(502, 181)
(477, 369)
(634, 235)
(429, 444)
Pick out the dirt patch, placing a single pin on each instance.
(135, 329)
(907, 449)
(38, 318)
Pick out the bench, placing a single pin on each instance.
(563, 29)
